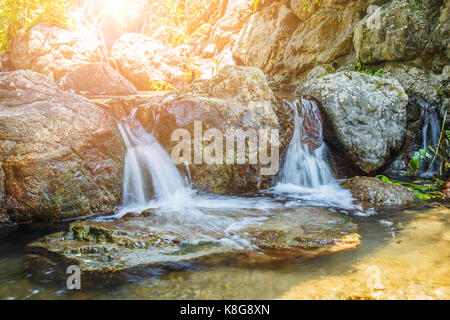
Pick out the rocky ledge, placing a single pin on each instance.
(138, 241)
(376, 191)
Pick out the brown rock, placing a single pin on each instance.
(379, 192)
(61, 156)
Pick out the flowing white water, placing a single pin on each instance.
(306, 176)
(430, 135)
(305, 167)
(152, 181)
(147, 167)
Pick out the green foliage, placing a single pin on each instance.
(368, 70)
(439, 90)
(429, 154)
(414, 4)
(425, 190)
(18, 14)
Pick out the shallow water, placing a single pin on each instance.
(404, 254)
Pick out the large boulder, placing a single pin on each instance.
(236, 98)
(60, 155)
(97, 79)
(323, 38)
(378, 192)
(147, 62)
(366, 116)
(398, 30)
(264, 37)
(55, 51)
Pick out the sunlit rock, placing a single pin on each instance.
(147, 62)
(115, 18)
(365, 116)
(228, 27)
(97, 79)
(324, 37)
(61, 156)
(55, 51)
(264, 37)
(304, 10)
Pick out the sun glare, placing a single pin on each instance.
(116, 7)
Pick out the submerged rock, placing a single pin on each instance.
(60, 155)
(55, 51)
(142, 241)
(365, 116)
(148, 63)
(379, 192)
(97, 79)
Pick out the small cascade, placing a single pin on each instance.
(430, 136)
(148, 170)
(306, 164)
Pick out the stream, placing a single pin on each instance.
(403, 252)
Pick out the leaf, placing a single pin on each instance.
(255, 5)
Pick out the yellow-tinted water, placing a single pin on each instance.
(404, 254)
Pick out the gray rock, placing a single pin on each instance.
(55, 51)
(97, 79)
(394, 31)
(414, 80)
(366, 116)
(60, 155)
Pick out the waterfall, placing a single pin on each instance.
(306, 163)
(430, 136)
(148, 168)
(306, 177)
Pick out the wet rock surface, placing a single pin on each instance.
(365, 116)
(61, 156)
(375, 191)
(97, 79)
(139, 242)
